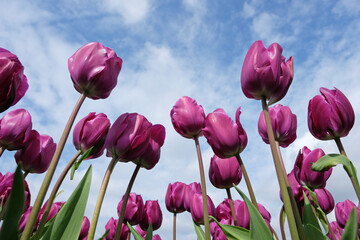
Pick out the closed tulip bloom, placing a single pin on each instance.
(216, 231)
(156, 237)
(223, 173)
(187, 117)
(94, 70)
(337, 230)
(111, 226)
(243, 217)
(330, 115)
(302, 169)
(189, 192)
(325, 200)
(152, 215)
(15, 129)
(143, 233)
(36, 155)
(197, 210)
(24, 218)
(343, 210)
(55, 208)
(283, 123)
(223, 212)
(13, 82)
(296, 188)
(128, 137)
(91, 132)
(84, 229)
(175, 196)
(134, 209)
(226, 138)
(265, 72)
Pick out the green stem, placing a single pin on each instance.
(231, 206)
(283, 236)
(203, 188)
(50, 172)
(125, 200)
(174, 227)
(100, 198)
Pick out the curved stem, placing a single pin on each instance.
(1, 151)
(174, 227)
(123, 206)
(100, 198)
(203, 189)
(340, 146)
(231, 206)
(50, 172)
(283, 236)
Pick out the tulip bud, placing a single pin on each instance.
(152, 215)
(265, 72)
(283, 123)
(296, 188)
(243, 217)
(111, 226)
(134, 209)
(55, 208)
(343, 210)
(223, 173)
(197, 210)
(174, 198)
(190, 190)
(337, 230)
(91, 132)
(15, 129)
(187, 117)
(94, 70)
(13, 82)
(325, 200)
(330, 115)
(84, 229)
(226, 138)
(36, 156)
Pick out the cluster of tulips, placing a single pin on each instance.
(94, 70)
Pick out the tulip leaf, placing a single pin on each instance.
(233, 232)
(137, 235)
(149, 233)
(258, 227)
(14, 208)
(77, 163)
(311, 225)
(199, 231)
(351, 227)
(104, 235)
(67, 224)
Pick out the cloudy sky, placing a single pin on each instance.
(176, 48)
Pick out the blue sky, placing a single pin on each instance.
(176, 48)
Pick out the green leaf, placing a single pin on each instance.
(14, 208)
(258, 227)
(149, 233)
(331, 160)
(199, 231)
(311, 224)
(76, 165)
(104, 236)
(351, 227)
(233, 232)
(67, 224)
(134, 232)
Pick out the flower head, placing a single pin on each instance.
(223, 173)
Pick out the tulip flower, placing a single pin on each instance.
(143, 233)
(223, 173)
(325, 200)
(15, 129)
(13, 82)
(111, 226)
(24, 218)
(197, 210)
(223, 212)
(152, 215)
(296, 188)
(187, 117)
(36, 155)
(242, 214)
(55, 208)
(174, 198)
(190, 190)
(337, 230)
(265, 72)
(216, 231)
(94, 70)
(330, 115)
(90, 132)
(283, 123)
(302, 169)
(84, 229)
(343, 210)
(226, 138)
(134, 209)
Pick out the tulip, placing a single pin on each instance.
(242, 214)
(156, 237)
(111, 227)
(13, 82)
(84, 229)
(330, 115)
(337, 230)
(36, 156)
(296, 188)
(302, 169)
(134, 209)
(24, 218)
(226, 138)
(283, 123)
(128, 137)
(143, 233)
(265, 72)
(190, 190)
(152, 215)
(15, 129)
(343, 210)
(94, 70)
(223, 173)
(91, 132)
(55, 208)
(197, 210)
(174, 198)
(187, 117)
(325, 200)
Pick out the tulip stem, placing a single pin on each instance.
(231, 206)
(295, 231)
(1, 151)
(174, 226)
(203, 188)
(125, 200)
(50, 172)
(25, 174)
(340, 146)
(100, 198)
(283, 236)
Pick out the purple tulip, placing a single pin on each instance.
(265, 72)
(325, 200)
(151, 155)
(343, 210)
(13, 82)
(330, 115)
(175, 196)
(243, 217)
(189, 192)
(302, 169)
(94, 70)
(187, 117)
(111, 226)
(296, 188)
(128, 137)
(197, 210)
(337, 230)
(223, 212)
(134, 209)
(223, 173)
(84, 229)
(152, 215)
(36, 155)
(55, 208)
(24, 218)
(283, 123)
(91, 132)
(226, 138)
(216, 231)
(156, 237)
(15, 129)
(140, 231)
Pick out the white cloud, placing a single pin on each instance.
(346, 7)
